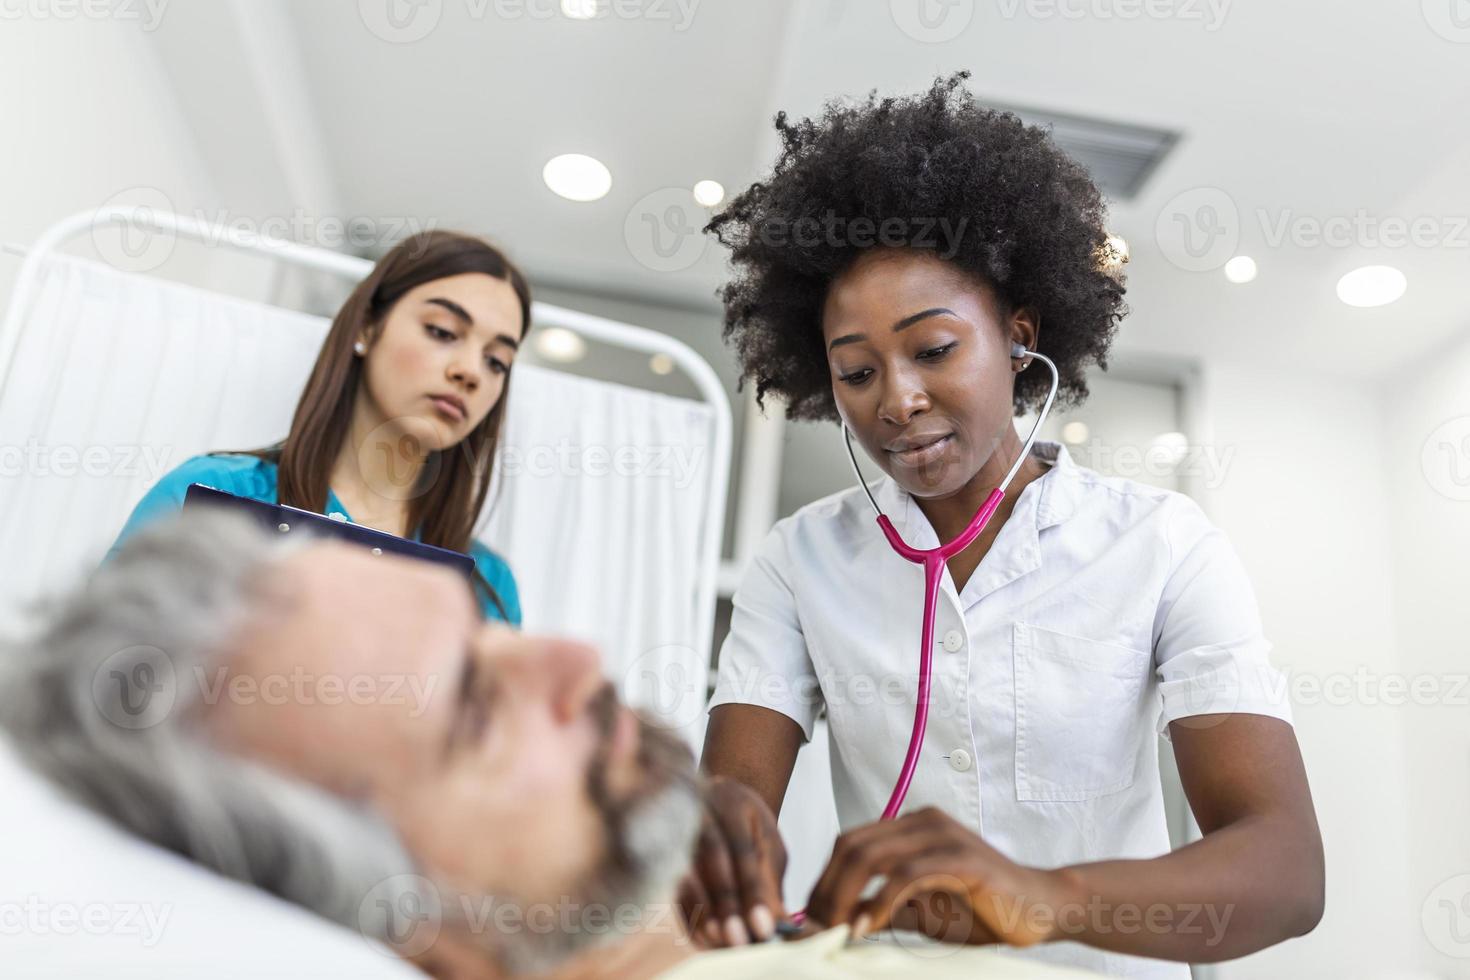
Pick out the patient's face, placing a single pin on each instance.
(503, 760)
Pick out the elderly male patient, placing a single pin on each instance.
(342, 731)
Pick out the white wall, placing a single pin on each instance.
(1428, 412)
(86, 117)
(1305, 502)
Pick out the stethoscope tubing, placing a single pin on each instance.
(933, 561)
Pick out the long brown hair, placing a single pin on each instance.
(454, 482)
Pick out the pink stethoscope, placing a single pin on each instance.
(934, 560)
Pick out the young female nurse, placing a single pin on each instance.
(884, 273)
(397, 426)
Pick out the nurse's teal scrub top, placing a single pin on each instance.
(251, 476)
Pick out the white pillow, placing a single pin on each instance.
(82, 898)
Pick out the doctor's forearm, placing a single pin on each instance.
(1242, 888)
(1256, 877)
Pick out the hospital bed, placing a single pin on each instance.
(108, 378)
(83, 898)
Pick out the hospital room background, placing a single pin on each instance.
(1288, 182)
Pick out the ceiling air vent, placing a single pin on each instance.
(1119, 156)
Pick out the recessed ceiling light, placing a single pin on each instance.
(1074, 433)
(1372, 285)
(577, 177)
(1242, 268)
(661, 364)
(708, 193)
(560, 344)
(579, 9)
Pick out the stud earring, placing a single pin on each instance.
(360, 348)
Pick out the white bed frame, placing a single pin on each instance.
(606, 331)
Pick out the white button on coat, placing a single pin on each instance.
(953, 640)
(959, 760)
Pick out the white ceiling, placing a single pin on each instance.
(1303, 111)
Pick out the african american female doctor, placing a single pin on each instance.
(883, 274)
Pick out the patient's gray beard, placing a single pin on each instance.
(649, 842)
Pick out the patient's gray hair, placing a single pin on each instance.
(101, 702)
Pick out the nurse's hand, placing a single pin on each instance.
(941, 879)
(733, 894)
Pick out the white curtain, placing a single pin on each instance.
(599, 507)
(598, 504)
(116, 380)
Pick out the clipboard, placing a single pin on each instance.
(282, 519)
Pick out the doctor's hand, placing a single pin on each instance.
(940, 879)
(732, 895)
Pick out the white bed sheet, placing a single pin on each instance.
(81, 898)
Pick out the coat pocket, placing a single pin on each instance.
(1079, 714)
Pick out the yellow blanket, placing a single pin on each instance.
(828, 956)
